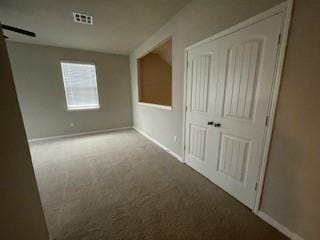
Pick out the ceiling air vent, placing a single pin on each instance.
(82, 18)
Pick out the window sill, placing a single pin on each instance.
(155, 105)
(82, 109)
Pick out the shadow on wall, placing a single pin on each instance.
(291, 194)
(286, 182)
(155, 80)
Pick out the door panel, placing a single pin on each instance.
(200, 83)
(230, 83)
(197, 142)
(241, 80)
(233, 157)
(202, 77)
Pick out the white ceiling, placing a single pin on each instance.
(119, 25)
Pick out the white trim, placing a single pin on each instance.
(78, 62)
(184, 111)
(155, 105)
(84, 108)
(265, 217)
(286, 9)
(159, 144)
(77, 134)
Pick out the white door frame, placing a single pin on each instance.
(286, 9)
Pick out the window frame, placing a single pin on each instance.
(84, 107)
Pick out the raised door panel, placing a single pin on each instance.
(197, 142)
(200, 77)
(241, 80)
(233, 157)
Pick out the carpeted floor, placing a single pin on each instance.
(122, 186)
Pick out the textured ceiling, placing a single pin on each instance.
(119, 25)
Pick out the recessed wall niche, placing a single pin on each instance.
(155, 75)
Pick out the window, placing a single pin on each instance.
(80, 85)
(154, 74)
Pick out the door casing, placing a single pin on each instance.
(286, 9)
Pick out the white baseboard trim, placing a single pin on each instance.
(78, 134)
(159, 144)
(265, 217)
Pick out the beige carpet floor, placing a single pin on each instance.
(122, 186)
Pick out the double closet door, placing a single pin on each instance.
(229, 85)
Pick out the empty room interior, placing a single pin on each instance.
(160, 119)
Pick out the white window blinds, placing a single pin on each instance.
(80, 85)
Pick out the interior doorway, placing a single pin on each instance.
(232, 82)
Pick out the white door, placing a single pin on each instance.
(229, 84)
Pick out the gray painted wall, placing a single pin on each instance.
(198, 20)
(290, 194)
(40, 89)
(21, 216)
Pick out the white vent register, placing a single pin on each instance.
(83, 18)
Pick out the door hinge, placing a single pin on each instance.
(256, 186)
(184, 147)
(267, 120)
(186, 107)
(279, 39)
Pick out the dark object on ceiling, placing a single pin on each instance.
(18, 30)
